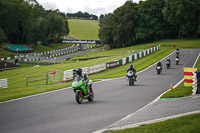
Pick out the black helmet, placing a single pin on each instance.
(79, 71)
(131, 66)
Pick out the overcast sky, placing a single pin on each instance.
(96, 7)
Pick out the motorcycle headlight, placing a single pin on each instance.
(75, 84)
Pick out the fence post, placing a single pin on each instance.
(26, 80)
(47, 78)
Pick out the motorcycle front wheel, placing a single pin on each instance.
(168, 66)
(130, 81)
(158, 71)
(79, 97)
(133, 81)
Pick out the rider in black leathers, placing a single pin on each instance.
(80, 74)
(177, 51)
(168, 60)
(159, 64)
(133, 69)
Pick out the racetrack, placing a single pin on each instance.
(58, 112)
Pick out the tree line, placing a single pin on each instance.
(150, 20)
(25, 21)
(82, 15)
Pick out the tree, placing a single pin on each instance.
(105, 31)
(181, 15)
(118, 29)
(67, 27)
(38, 31)
(2, 37)
(57, 26)
(125, 21)
(151, 25)
(101, 16)
(10, 18)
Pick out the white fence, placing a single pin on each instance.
(3, 83)
(69, 74)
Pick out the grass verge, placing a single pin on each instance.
(185, 124)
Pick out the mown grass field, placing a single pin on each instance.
(84, 29)
(186, 124)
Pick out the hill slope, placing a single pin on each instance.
(84, 29)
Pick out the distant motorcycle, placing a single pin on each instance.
(168, 64)
(159, 69)
(177, 61)
(131, 77)
(81, 90)
(177, 52)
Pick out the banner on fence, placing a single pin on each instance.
(96, 68)
(112, 64)
(3, 83)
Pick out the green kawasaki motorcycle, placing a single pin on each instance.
(82, 90)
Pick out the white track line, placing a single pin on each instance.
(148, 105)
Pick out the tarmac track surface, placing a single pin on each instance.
(114, 99)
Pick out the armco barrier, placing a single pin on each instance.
(32, 58)
(68, 75)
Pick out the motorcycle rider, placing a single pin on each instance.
(168, 60)
(133, 69)
(159, 64)
(177, 51)
(177, 58)
(82, 75)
